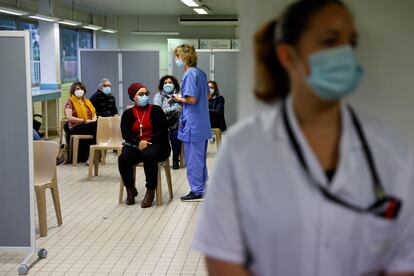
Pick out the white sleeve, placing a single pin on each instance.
(218, 234)
(402, 259)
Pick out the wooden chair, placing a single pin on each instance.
(74, 146)
(108, 137)
(158, 193)
(217, 133)
(45, 177)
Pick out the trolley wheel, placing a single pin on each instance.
(42, 253)
(23, 269)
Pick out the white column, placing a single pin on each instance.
(253, 14)
(49, 46)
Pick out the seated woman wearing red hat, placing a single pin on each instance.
(144, 129)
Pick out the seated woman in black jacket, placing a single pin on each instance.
(145, 132)
(216, 107)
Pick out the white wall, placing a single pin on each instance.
(386, 51)
(386, 45)
(127, 24)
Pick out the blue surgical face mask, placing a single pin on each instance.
(142, 101)
(168, 87)
(106, 90)
(334, 73)
(179, 62)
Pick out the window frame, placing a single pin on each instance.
(77, 30)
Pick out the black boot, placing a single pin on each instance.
(131, 194)
(148, 199)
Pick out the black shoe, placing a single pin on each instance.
(176, 165)
(191, 197)
(59, 161)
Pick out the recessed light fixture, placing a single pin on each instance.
(13, 11)
(69, 22)
(201, 10)
(44, 17)
(155, 33)
(93, 27)
(191, 3)
(111, 31)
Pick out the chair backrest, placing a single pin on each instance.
(109, 130)
(44, 153)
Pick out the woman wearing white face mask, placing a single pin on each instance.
(145, 132)
(169, 88)
(81, 117)
(322, 189)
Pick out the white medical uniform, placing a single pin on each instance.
(261, 201)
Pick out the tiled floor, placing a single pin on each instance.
(101, 237)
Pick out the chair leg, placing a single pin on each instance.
(41, 210)
(167, 170)
(91, 162)
(103, 157)
(218, 139)
(158, 190)
(75, 148)
(182, 161)
(96, 162)
(56, 201)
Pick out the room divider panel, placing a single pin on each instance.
(17, 230)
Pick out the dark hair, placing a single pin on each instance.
(272, 80)
(73, 87)
(174, 80)
(216, 89)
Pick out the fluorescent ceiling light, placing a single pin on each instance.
(44, 17)
(93, 27)
(201, 10)
(69, 22)
(191, 3)
(109, 31)
(13, 11)
(155, 33)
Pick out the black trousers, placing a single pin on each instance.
(175, 144)
(150, 157)
(84, 144)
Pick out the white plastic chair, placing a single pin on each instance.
(108, 137)
(45, 153)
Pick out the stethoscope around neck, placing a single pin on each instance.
(384, 206)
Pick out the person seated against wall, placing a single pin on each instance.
(216, 107)
(169, 87)
(144, 129)
(81, 117)
(103, 101)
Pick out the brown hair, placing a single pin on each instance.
(216, 89)
(272, 80)
(188, 53)
(73, 87)
(166, 77)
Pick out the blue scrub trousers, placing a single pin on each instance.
(195, 155)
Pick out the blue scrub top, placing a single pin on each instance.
(194, 123)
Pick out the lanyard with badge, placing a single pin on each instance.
(385, 206)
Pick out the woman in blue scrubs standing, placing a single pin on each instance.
(194, 126)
